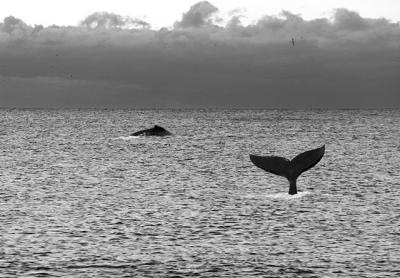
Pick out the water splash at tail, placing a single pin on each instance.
(286, 196)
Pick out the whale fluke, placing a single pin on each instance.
(290, 169)
(155, 131)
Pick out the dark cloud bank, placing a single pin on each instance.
(115, 61)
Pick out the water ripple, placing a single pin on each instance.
(82, 198)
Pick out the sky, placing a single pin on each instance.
(184, 54)
(165, 13)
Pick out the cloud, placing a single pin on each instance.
(12, 25)
(198, 15)
(345, 28)
(344, 60)
(104, 20)
(349, 20)
(14, 28)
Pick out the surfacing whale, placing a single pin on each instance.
(155, 131)
(290, 169)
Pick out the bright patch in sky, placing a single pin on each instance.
(165, 13)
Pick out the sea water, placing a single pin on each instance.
(79, 197)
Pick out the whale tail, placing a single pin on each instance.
(290, 169)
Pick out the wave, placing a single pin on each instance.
(126, 138)
(286, 196)
(280, 195)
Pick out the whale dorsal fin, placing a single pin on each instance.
(157, 127)
(273, 164)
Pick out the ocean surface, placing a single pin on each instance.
(79, 197)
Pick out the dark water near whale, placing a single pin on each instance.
(79, 198)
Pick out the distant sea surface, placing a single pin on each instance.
(79, 197)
